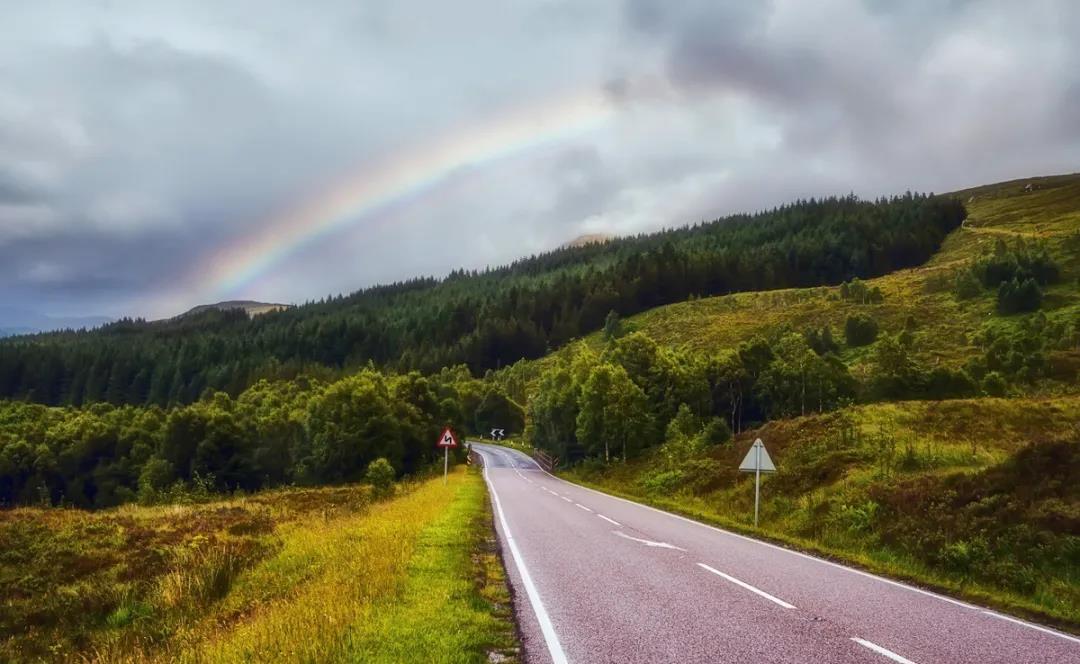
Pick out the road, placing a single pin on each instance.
(601, 579)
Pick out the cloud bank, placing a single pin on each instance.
(138, 139)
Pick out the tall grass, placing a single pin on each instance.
(290, 575)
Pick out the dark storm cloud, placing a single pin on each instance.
(137, 139)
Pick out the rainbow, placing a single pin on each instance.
(375, 186)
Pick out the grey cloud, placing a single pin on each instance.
(135, 140)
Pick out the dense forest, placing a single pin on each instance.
(484, 320)
(302, 431)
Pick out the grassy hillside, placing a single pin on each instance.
(292, 575)
(947, 329)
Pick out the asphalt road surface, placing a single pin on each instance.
(601, 579)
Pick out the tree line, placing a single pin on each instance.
(303, 431)
(484, 320)
(635, 394)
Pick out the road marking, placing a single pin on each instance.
(583, 507)
(882, 651)
(546, 628)
(660, 545)
(749, 587)
(611, 521)
(774, 546)
(566, 499)
(806, 556)
(1033, 626)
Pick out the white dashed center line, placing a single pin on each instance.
(583, 507)
(749, 587)
(658, 545)
(611, 521)
(882, 651)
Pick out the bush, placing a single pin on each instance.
(156, 475)
(380, 475)
(716, 432)
(664, 481)
(860, 330)
(994, 385)
(1017, 296)
(943, 383)
(964, 557)
(967, 285)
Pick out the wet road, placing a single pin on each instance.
(601, 579)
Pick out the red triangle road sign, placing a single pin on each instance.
(446, 439)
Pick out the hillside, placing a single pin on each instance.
(586, 239)
(483, 320)
(942, 446)
(948, 330)
(250, 307)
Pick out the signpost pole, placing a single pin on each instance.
(445, 463)
(757, 461)
(757, 482)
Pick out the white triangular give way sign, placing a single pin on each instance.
(757, 459)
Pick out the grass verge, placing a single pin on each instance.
(294, 575)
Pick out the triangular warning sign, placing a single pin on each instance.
(757, 459)
(446, 439)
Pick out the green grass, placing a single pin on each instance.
(938, 493)
(292, 575)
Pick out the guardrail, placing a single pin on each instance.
(546, 461)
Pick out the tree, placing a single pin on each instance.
(612, 325)
(798, 380)
(860, 330)
(156, 475)
(553, 412)
(613, 412)
(498, 411)
(380, 475)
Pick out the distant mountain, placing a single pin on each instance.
(15, 321)
(588, 238)
(252, 307)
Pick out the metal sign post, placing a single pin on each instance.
(757, 460)
(446, 441)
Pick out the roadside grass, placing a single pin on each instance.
(290, 575)
(976, 497)
(439, 612)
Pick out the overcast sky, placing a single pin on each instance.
(138, 138)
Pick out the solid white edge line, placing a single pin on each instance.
(749, 587)
(546, 628)
(1032, 626)
(583, 507)
(611, 521)
(882, 651)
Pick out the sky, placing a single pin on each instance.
(157, 155)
